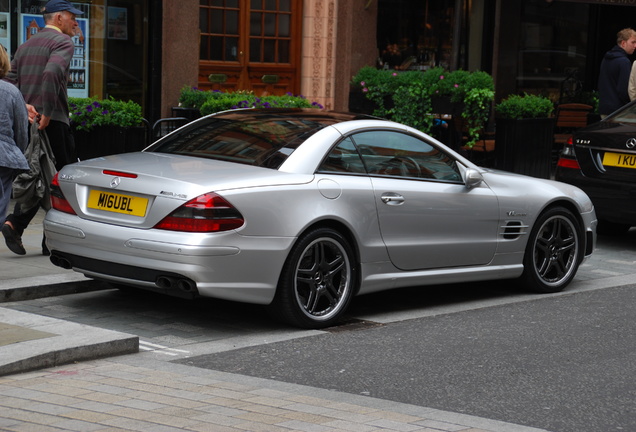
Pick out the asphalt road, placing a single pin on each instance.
(563, 362)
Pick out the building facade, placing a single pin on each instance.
(147, 50)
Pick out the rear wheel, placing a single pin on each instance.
(554, 251)
(317, 281)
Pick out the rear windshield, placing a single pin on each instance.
(264, 141)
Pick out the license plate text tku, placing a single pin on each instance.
(621, 160)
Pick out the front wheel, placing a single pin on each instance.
(317, 281)
(554, 251)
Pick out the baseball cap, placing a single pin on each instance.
(61, 5)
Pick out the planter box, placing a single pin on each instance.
(482, 153)
(189, 113)
(524, 146)
(358, 103)
(108, 140)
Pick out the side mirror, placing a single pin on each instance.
(472, 178)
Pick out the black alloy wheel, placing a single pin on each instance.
(317, 281)
(554, 251)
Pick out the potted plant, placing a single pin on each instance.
(221, 101)
(191, 99)
(476, 93)
(524, 135)
(415, 97)
(106, 126)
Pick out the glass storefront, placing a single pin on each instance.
(111, 46)
(415, 34)
(552, 53)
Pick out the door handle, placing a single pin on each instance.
(391, 198)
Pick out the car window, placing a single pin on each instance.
(396, 154)
(343, 158)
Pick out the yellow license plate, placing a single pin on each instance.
(117, 203)
(621, 160)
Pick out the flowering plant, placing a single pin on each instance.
(211, 101)
(451, 84)
(193, 97)
(87, 113)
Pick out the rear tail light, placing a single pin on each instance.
(568, 156)
(568, 163)
(58, 200)
(206, 213)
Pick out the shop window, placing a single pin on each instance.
(552, 49)
(111, 46)
(415, 34)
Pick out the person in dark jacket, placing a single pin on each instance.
(613, 80)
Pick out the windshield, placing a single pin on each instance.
(628, 115)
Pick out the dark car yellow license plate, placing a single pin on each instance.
(117, 203)
(620, 160)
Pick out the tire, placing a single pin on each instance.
(318, 280)
(554, 252)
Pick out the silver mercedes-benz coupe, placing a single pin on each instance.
(301, 210)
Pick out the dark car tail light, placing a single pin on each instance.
(207, 213)
(568, 156)
(58, 200)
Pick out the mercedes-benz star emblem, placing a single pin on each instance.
(115, 182)
(631, 143)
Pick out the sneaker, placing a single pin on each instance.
(13, 240)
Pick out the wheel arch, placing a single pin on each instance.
(569, 205)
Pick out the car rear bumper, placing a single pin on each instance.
(223, 265)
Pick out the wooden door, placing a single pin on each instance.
(250, 45)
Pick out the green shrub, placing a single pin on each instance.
(451, 84)
(527, 106)
(86, 113)
(407, 112)
(222, 101)
(476, 110)
(406, 97)
(192, 97)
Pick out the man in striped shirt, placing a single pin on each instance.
(40, 69)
